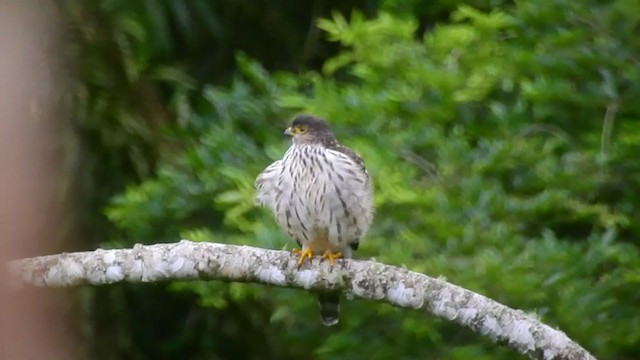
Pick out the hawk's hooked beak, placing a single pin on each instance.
(288, 132)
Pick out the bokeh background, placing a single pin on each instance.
(503, 138)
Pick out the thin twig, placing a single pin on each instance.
(607, 128)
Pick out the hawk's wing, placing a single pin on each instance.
(352, 155)
(266, 185)
(353, 176)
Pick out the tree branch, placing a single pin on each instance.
(369, 280)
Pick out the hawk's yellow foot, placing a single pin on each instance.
(331, 256)
(304, 254)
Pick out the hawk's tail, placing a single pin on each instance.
(329, 308)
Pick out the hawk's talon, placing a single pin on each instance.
(306, 253)
(331, 256)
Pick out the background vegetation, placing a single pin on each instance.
(502, 136)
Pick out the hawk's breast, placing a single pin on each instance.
(320, 196)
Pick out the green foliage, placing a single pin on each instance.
(486, 139)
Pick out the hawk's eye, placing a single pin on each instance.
(301, 129)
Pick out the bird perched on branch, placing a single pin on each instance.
(320, 194)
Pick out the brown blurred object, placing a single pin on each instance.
(33, 322)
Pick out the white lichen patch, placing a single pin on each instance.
(521, 334)
(467, 315)
(201, 265)
(491, 327)
(444, 305)
(109, 258)
(145, 274)
(271, 275)
(114, 273)
(550, 353)
(306, 278)
(138, 247)
(554, 344)
(404, 296)
(176, 265)
(136, 269)
(74, 270)
(52, 276)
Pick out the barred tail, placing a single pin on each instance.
(329, 308)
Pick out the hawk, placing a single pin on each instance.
(320, 194)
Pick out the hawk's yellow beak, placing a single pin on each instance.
(288, 132)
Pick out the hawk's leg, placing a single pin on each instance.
(304, 254)
(331, 256)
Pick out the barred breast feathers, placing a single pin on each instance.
(318, 189)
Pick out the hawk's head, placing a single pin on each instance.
(308, 129)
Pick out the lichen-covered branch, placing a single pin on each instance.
(370, 280)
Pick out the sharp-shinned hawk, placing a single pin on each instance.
(320, 194)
